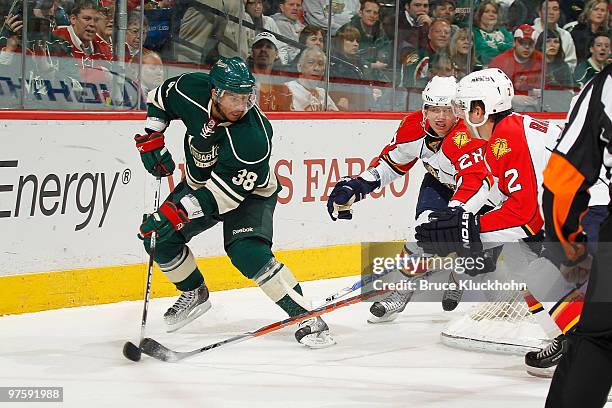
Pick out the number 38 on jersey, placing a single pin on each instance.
(246, 179)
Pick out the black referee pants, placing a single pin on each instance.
(584, 375)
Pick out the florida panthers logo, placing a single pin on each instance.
(461, 139)
(500, 147)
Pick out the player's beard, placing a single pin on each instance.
(218, 114)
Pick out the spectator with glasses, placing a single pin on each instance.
(311, 36)
(105, 26)
(135, 37)
(306, 91)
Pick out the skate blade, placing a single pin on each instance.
(385, 319)
(540, 372)
(198, 311)
(318, 340)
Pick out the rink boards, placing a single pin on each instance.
(73, 191)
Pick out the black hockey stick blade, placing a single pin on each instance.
(131, 351)
(158, 351)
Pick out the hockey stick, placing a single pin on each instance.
(369, 279)
(130, 350)
(158, 351)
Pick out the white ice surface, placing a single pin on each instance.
(400, 364)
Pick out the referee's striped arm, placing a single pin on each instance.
(575, 164)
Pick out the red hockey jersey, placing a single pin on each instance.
(516, 154)
(458, 159)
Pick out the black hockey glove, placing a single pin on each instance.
(483, 262)
(451, 230)
(347, 191)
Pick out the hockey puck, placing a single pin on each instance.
(131, 351)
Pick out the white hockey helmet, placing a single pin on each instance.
(491, 86)
(440, 91)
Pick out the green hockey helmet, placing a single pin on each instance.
(233, 75)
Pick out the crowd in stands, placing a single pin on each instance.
(369, 52)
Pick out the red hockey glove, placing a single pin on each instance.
(163, 222)
(154, 154)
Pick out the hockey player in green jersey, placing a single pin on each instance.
(228, 179)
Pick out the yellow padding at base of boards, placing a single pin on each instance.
(34, 292)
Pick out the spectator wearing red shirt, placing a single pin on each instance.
(522, 63)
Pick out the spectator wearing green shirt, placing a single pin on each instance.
(490, 39)
(599, 46)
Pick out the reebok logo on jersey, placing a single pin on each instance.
(461, 139)
(242, 230)
(500, 147)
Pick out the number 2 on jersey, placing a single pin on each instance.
(513, 186)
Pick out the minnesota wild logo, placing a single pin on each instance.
(411, 58)
(461, 139)
(500, 147)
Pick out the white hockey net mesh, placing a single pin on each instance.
(503, 326)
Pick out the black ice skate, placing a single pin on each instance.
(390, 307)
(543, 363)
(451, 297)
(314, 333)
(189, 306)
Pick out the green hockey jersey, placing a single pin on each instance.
(225, 162)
